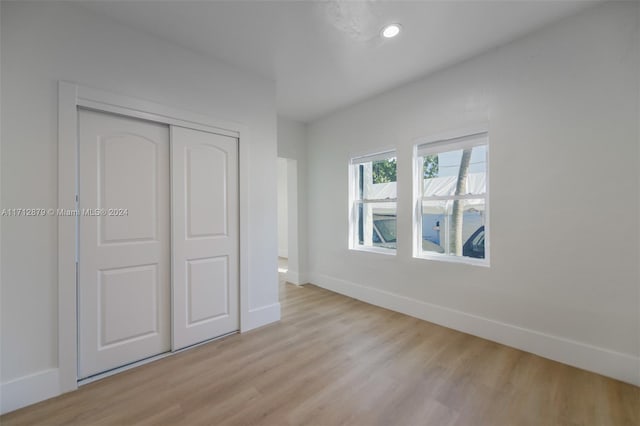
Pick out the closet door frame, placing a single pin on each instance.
(71, 98)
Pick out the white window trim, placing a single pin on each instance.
(354, 162)
(432, 145)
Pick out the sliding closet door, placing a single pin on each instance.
(124, 247)
(205, 235)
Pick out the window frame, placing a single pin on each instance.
(355, 201)
(444, 143)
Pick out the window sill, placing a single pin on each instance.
(378, 250)
(454, 259)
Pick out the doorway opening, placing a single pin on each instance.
(288, 220)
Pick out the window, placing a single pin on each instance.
(373, 203)
(452, 204)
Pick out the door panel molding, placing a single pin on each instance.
(197, 311)
(109, 337)
(112, 147)
(215, 176)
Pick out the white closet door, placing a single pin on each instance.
(124, 256)
(205, 235)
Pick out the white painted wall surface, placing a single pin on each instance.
(283, 220)
(292, 144)
(45, 42)
(562, 108)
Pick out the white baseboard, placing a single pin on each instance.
(296, 278)
(43, 385)
(620, 366)
(262, 316)
(292, 277)
(28, 390)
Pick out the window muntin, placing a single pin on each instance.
(452, 199)
(373, 217)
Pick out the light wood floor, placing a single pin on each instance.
(334, 360)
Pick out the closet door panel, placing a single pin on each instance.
(124, 241)
(205, 235)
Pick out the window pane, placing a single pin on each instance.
(384, 170)
(433, 213)
(441, 172)
(377, 221)
(454, 227)
(376, 179)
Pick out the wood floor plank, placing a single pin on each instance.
(333, 360)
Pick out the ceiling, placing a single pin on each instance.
(327, 55)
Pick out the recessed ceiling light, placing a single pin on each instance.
(391, 31)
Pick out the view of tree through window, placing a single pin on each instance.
(453, 197)
(384, 171)
(430, 168)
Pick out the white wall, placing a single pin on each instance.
(283, 221)
(292, 144)
(45, 42)
(562, 109)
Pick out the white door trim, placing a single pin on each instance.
(71, 96)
